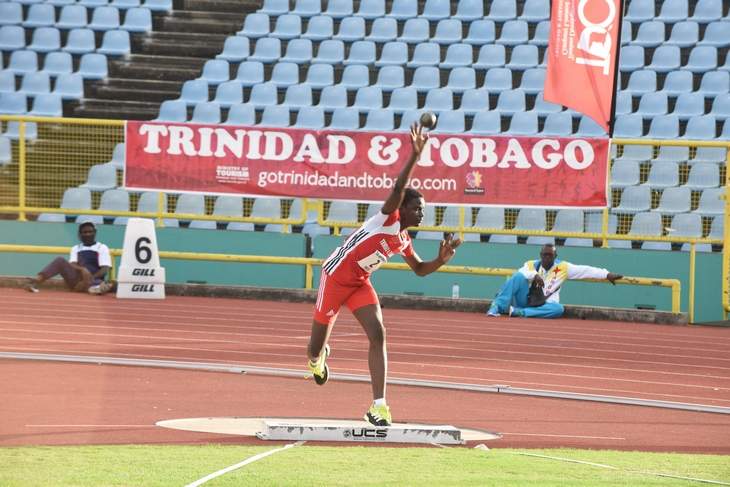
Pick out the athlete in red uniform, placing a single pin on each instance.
(345, 279)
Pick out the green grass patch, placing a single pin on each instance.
(347, 466)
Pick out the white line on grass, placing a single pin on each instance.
(242, 464)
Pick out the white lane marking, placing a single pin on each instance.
(247, 461)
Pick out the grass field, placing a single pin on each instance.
(347, 466)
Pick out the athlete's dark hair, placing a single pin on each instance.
(87, 224)
(410, 194)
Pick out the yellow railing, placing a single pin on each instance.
(309, 264)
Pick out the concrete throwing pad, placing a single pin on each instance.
(314, 429)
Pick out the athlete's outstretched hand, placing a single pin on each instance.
(448, 246)
(418, 138)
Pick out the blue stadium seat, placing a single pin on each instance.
(12, 37)
(100, 178)
(6, 154)
(481, 32)
(274, 7)
(351, 29)
(558, 124)
(215, 72)
(448, 31)
(707, 11)
(715, 83)
(298, 96)
(36, 83)
(514, 32)
(11, 13)
(118, 156)
(333, 97)
(137, 19)
(80, 41)
(523, 57)
(688, 225)
(45, 39)
(678, 82)
(158, 5)
(436, 10)
(721, 107)
(624, 173)
(502, 10)
(255, 25)
(469, 10)
(403, 9)
(641, 153)
(7, 82)
(47, 105)
(626, 32)
(486, 123)
(542, 34)
(628, 126)
(287, 27)
(673, 11)
(533, 81)
(310, 118)
(491, 56)
(172, 111)
(650, 34)
(319, 28)
(355, 76)
(267, 50)
(23, 61)
(339, 8)
(415, 31)
(665, 59)
(711, 202)
(663, 175)
(235, 49)
(640, 11)
(285, 74)
(206, 112)
(307, 8)
(511, 101)
(716, 35)
(408, 118)
(587, 127)
(531, 219)
(298, 51)
(105, 18)
(426, 78)
(702, 127)
(642, 81)
(263, 95)
(689, 105)
(380, 119)
(457, 55)
(230, 206)
(523, 123)
(451, 122)
(250, 73)
(634, 199)
(426, 54)
(439, 99)
(474, 101)
(371, 9)
(390, 78)
(368, 97)
(115, 43)
(674, 200)
(90, 3)
(57, 63)
(194, 91)
(275, 116)
(535, 11)
(664, 127)
(41, 15)
(125, 4)
(403, 99)
(384, 29)
(393, 54)
(715, 155)
(330, 52)
(498, 79)
(241, 114)
(361, 52)
(93, 66)
(229, 93)
(701, 59)
(703, 175)
(653, 104)
(461, 79)
(13, 103)
(345, 119)
(677, 154)
(684, 34)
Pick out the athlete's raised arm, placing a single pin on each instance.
(418, 142)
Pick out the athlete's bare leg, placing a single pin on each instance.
(319, 337)
(371, 319)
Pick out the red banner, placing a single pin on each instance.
(581, 55)
(362, 166)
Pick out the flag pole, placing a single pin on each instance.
(616, 72)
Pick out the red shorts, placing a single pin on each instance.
(332, 295)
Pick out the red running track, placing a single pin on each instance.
(670, 363)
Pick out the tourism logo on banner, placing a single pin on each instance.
(363, 166)
(581, 56)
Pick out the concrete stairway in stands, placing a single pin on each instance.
(161, 60)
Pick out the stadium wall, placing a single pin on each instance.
(642, 263)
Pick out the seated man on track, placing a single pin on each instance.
(84, 271)
(345, 279)
(548, 274)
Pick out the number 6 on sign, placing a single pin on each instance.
(140, 274)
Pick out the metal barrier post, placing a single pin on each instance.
(692, 256)
(161, 197)
(725, 241)
(21, 173)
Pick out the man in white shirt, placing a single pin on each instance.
(84, 271)
(548, 274)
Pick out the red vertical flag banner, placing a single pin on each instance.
(582, 50)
